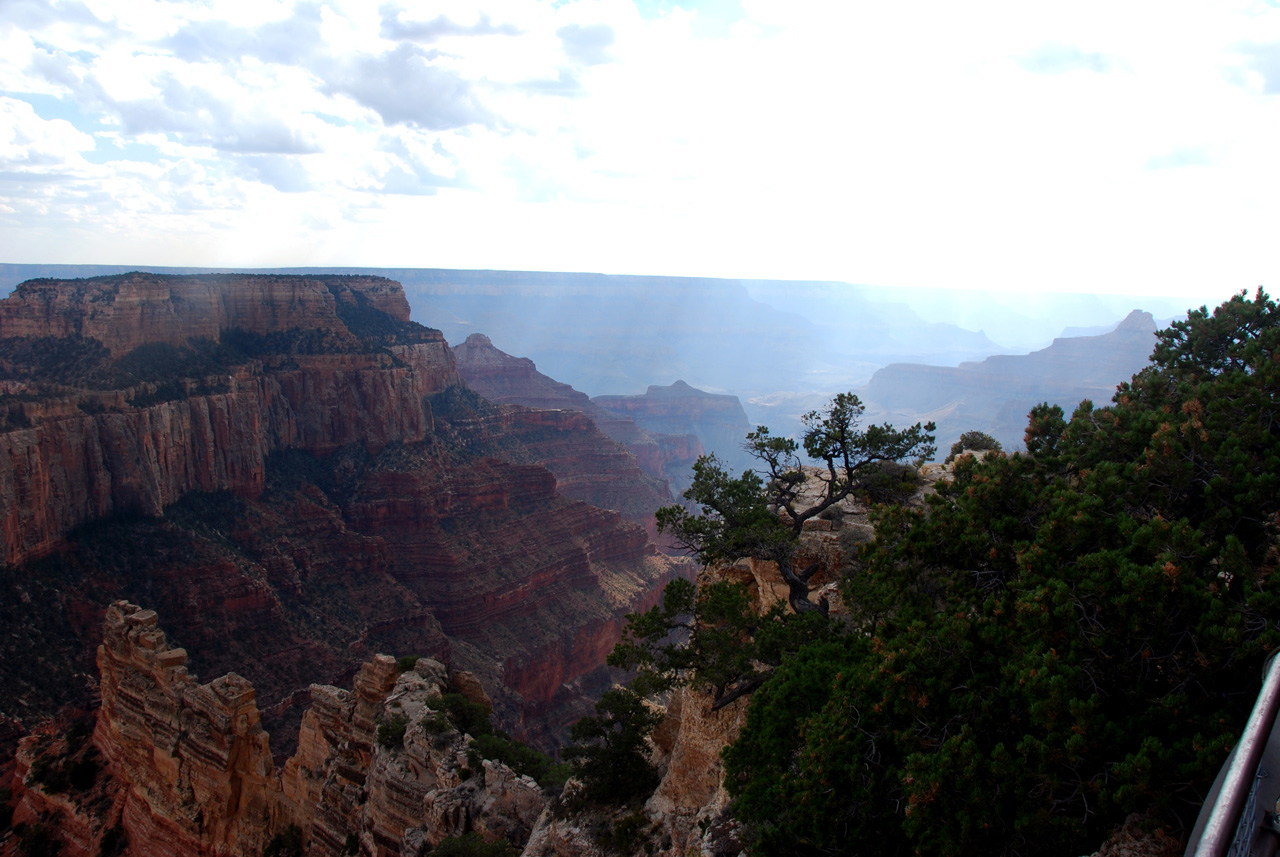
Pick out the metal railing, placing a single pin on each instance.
(1238, 818)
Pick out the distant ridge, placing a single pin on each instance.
(996, 394)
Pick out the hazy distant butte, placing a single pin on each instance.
(995, 395)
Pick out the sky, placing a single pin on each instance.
(1021, 146)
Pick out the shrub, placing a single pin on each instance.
(391, 731)
(468, 717)
(611, 754)
(973, 440)
(407, 663)
(522, 759)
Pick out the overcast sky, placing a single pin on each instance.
(1110, 146)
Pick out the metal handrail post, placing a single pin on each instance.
(1224, 818)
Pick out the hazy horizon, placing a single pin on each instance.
(992, 146)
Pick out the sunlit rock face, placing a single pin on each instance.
(297, 484)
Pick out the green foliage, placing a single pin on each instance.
(406, 663)
(735, 519)
(739, 516)
(470, 718)
(391, 731)
(522, 759)
(610, 755)
(473, 845)
(711, 638)
(286, 844)
(975, 440)
(1073, 635)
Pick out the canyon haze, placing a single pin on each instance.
(781, 347)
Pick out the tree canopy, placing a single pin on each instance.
(1058, 639)
(761, 513)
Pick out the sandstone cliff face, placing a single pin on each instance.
(67, 470)
(500, 377)
(200, 779)
(85, 453)
(333, 493)
(189, 772)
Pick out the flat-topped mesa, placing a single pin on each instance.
(128, 310)
(345, 366)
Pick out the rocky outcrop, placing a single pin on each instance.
(379, 769)
(194, 757)
(500, 377)
(67, 470)
(717, 420)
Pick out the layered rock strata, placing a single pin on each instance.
(83, 452)
(126, 311)
(500, 377)
(378, 770)
(329, 492)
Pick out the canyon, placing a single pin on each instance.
(664, 455)
(294, 473)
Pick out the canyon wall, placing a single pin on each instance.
(298, 498)
(669, 458)
(128, 310)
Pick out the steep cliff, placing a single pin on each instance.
(186, 769)
(295, 498)
(500, 377)
(125, 311)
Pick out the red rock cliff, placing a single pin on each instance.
(125, 311)
(500, 377)
(333, 494)
(87, 453)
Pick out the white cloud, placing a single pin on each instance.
(996, 144)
